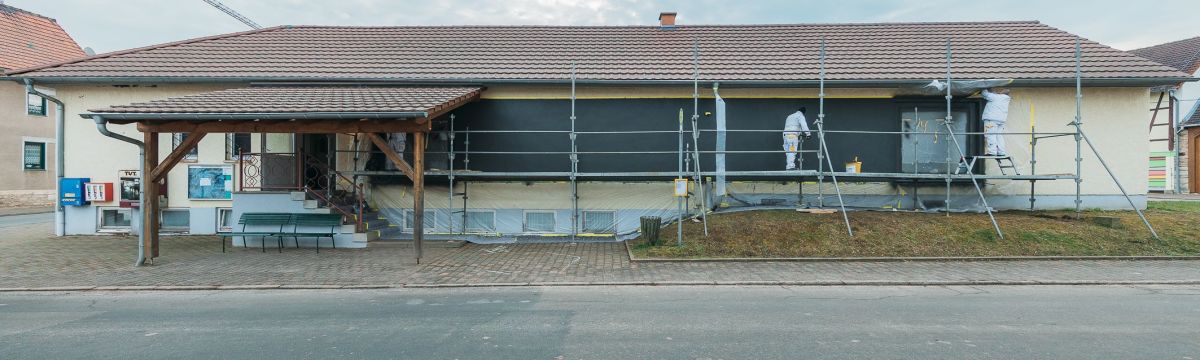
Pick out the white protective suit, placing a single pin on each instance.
(995, 115)
(792, 127)
(396, 142)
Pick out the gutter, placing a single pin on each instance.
(1122, 82)
(102, 126)
(256, 116)
(60, 223)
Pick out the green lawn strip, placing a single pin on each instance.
(786, 233)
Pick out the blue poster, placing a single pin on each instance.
(210, 182)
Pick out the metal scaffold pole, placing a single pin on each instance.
(450, 175)
(696, 134)
(574, 164)
(1081, 135)
(679, 175)
(821, 136)
(962, 156)
(1078, 129)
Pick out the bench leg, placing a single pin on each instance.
(263, 243)
(296, 240)
(318, 244)
(333, 242)
(279, 241)
(222, 243)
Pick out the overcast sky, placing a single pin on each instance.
(110, 25)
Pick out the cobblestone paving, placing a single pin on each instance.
(30, 257)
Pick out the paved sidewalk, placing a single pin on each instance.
(31, 258)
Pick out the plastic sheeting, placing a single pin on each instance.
(959, 88)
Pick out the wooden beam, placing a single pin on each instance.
(418, 194)
(150, 194)
(176, 155)
(287, 126)
(395, 158)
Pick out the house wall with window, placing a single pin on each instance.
(27, 133)
(92, 155)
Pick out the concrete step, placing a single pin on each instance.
(298, 195)
(311, 204)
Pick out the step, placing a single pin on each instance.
(298, 195)
(311, 204)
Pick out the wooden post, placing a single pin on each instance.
(150, 194)
(418, 193)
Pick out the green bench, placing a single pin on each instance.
(276, 225)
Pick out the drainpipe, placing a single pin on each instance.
(1175, 133)
(60, 217)
(102, 126)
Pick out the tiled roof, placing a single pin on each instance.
(28, 39)
(304, 99)
(766, 53)
(1183, 55)
(1192, 121)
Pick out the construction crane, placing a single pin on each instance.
(234, 14)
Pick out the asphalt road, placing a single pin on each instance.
(8, 221)
(1159, 322)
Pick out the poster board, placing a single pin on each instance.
(210, 182)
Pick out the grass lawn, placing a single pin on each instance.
(787, 233)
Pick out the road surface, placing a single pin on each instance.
(1082, 322)
(10, 221)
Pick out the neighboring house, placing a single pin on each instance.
(1189, 143)
(27, 123)
(1183, 55)
(511, 87)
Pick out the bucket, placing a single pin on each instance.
(854, 166)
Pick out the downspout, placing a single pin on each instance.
(1175, 120)
(60, 217)
(102, 126)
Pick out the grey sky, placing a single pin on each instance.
(120, 24)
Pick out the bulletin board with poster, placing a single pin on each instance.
(210, 182)
(131, 187)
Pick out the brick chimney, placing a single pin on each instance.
(666, 20)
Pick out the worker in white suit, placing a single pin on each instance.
(795, 124)
(995, 115)
(396, 142)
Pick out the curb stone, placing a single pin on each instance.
(617, 283)
(633, 259)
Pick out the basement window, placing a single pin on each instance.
(410, 219)
(481, 221)
(176, 220)
(225, 219)
(112, 219)
(540, 221)
(600, 222)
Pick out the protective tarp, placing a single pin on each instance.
(958, 88)
(720, 143)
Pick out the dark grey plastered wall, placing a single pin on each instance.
(880, 153)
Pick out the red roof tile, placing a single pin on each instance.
(304, 99)
(896, 51)
(28, 39)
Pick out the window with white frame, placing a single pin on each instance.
(225, 219)
(175, 220)
(410, 219)
(178, 138)
(481, 221)
(600, 222)
(235, 144)
(114, 219)
(35, 105)
(540, 221)
(34, 155)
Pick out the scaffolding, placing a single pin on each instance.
(691, 153)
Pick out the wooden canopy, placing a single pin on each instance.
(292, 110)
